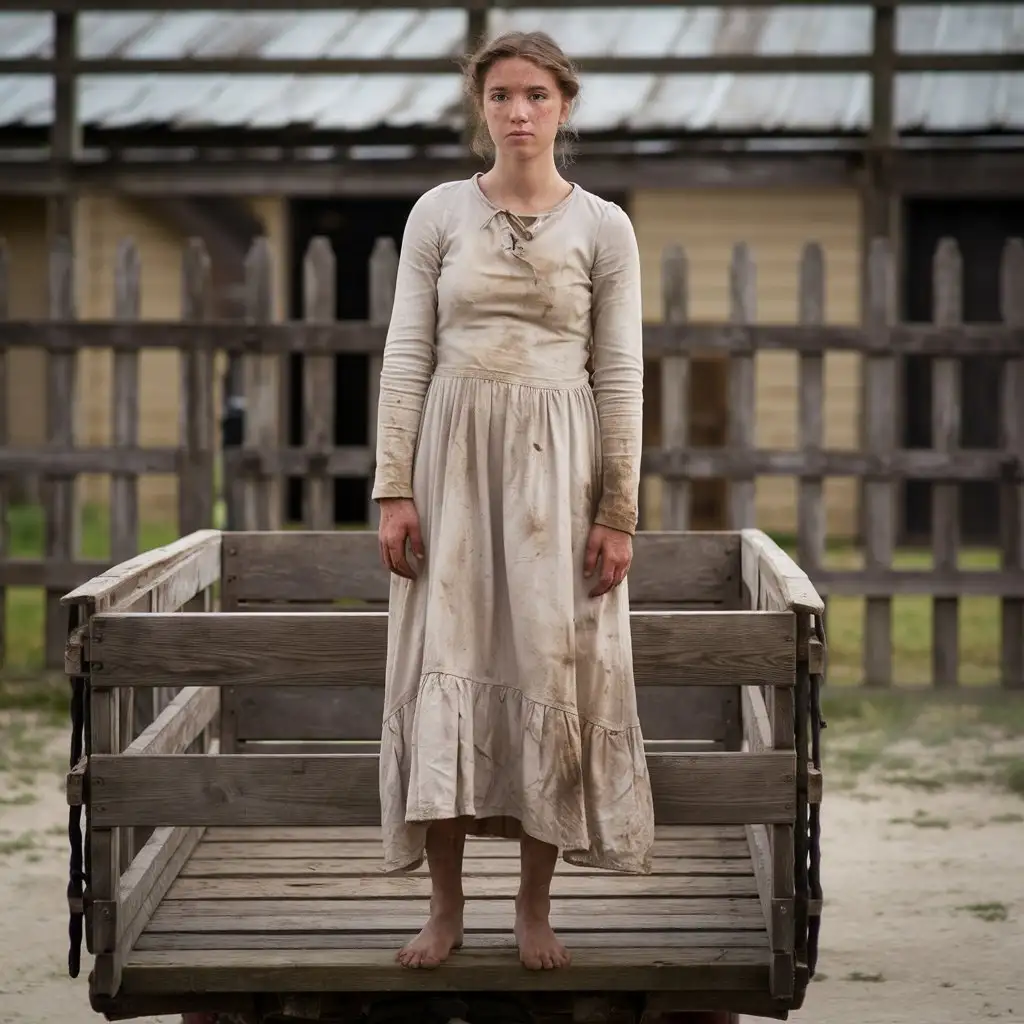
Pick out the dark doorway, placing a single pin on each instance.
(352, 226)
(981, 229)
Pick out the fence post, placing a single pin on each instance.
(947, 311)
(196, 482)
(880, 424)
(319, 307)
(811, 527)
(383, 275)
(1012, 499)
(261, 490)
(676, 501)
(742, 390)
(60, 507)
(5, 291)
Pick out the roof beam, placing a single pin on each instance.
(122, 6)
(704, 65)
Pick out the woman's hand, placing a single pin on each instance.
(399, 522)
(615, 551)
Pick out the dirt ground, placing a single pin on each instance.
(923, 870)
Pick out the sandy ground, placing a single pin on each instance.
(923, 858)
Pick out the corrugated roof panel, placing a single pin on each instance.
(735, 103)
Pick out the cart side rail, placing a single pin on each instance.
(787, 856)
(113, 866)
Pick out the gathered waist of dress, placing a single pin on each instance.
(497, 377)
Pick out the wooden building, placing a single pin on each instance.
(711, 126)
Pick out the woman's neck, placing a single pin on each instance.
(524, 186)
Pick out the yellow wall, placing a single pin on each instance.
(775, 223)
(102, 222)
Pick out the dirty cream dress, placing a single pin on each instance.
(510, 410)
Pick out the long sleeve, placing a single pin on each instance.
(408, 350)
(617, 323)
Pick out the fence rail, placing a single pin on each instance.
(255, 473)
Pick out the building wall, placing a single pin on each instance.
(102, 222)
(775, 223)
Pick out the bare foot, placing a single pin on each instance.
(539, 948)
(440, 935)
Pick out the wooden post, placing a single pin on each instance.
(675, 389)
(810, 506)
(319, 287)
(5, 292)
(742, 392)
(1012, 492)
(261, 503)
(877, 211)
(947, 311)
(136, 710)
(196, 482)
(383, 275)
(62, 521)
(879, 414)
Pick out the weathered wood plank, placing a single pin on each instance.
(700, 939)
(328, 858)
(947, 310)
(476, 886)
(5, 296)
(198, 439)
(59, 491)
(742, 391)
(179, 724)
(810, 506)
(774, 580)
(756, 727)
(570, 914)
(383, 280)
(267, 869)
(129, 579)
(675, 388)
(311, 566)
(252, 789)
(1012, 491)
(319, 303)
(337, 970)
(880, 427)
(350, 648)
(694, 337)
(261, 492)
(882, 582)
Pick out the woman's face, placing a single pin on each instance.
(523, 108)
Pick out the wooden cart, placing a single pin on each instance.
(231, 859)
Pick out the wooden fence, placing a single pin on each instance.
(255, 472)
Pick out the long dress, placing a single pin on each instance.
(510, 411)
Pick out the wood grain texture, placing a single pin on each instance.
(337, 970)
(336, 789)
(178, 724)
(350, 649)
(697, 568)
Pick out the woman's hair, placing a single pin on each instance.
(538, 48)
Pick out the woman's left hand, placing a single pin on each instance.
(614, 549)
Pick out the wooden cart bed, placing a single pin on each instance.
(299, 909)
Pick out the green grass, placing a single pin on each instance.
(911, 629)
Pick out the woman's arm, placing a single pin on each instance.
(409, 349)
(617, 324)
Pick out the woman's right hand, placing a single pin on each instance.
(399, 522)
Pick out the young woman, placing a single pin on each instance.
(508, 456)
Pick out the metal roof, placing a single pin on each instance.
(931, 102)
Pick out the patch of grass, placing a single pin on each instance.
(862, 976)
(991, 912)
(929, 784)
(18, 800)
(25, 605)
(19, 844)
(1015, 777)
(1007, 819)
(921, 819)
